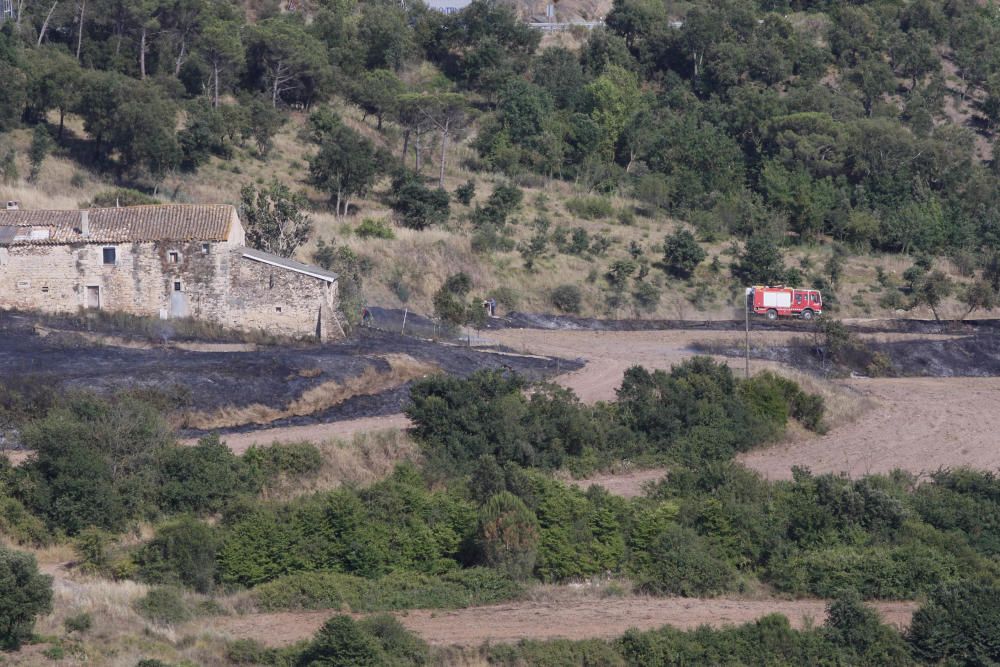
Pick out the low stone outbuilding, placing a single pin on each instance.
(161, 261)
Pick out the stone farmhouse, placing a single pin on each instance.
(161, 261)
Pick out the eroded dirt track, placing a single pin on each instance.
(589, 618)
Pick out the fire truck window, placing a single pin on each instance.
(798, 298)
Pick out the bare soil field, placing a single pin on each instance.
(916, 424)
(560, 618)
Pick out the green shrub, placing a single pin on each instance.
(397, 524)
(418, 206)
(566, 298)
(55, 652)
(376, 641)
(508, 535)
(896, 572)
(398, 590)
(95, 462)
(401, 646)
(556, 652)
(465, 193)
(682, 563)
(248, 652)
(21, 526)
(164, 606)
(857, 629)
(315, 590)
(590, 208)
(959, 624)
(92, 546)
(682, 254)
(371, 228)
(182, 552)
(78, 623)
(203, 478)
(120, 197)
(343, 642)
(296, 459)
(24, 595)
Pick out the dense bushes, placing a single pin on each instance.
(394, 525)
(374, 641)
(105, 462)
(697, 411)
(181, 552)
(398, 590)
(960, 624)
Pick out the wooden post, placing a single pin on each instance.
(405, 313)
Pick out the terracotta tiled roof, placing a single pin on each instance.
(117, 225)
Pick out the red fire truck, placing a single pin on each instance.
(780, 301)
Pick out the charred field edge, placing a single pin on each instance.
(270, 375)
(974, 355)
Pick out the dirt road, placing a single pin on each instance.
(587, 618)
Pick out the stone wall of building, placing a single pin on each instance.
(209, 281)
(140, 278)
(279, 300)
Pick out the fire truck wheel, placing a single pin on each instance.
(772, 314)
(807, 314)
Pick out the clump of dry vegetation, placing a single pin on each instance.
(402, 369)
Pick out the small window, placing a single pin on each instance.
(110, 256)
(177, 286)
(277, 308)
(45, 289)
(205, 248)
(270, 281)
(174, 257)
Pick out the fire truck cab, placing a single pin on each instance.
(780, 301)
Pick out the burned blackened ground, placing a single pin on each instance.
(975, 355)
(517, 320)
(272, 376)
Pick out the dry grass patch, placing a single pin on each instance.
(365, 459)
(402, 369)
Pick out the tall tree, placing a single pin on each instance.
(220, 46)
(446, 112)
(378, 93)
(287, 59)
(346, 165)
(274, 219)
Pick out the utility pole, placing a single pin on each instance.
(746, 313)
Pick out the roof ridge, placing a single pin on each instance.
(116, 208)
